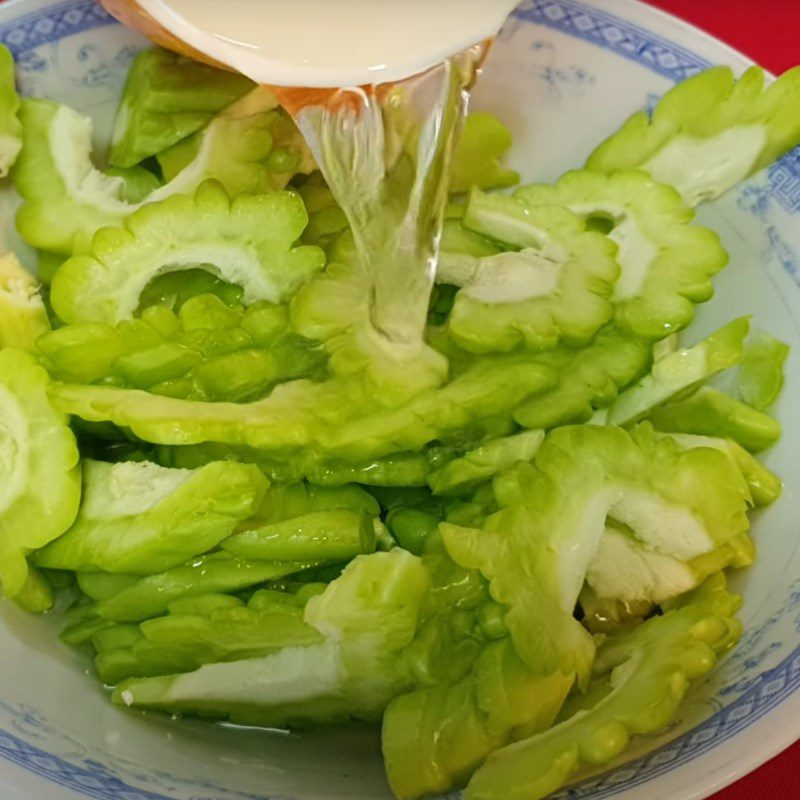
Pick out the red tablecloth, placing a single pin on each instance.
(769, 33)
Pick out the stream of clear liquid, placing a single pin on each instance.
(385, 153)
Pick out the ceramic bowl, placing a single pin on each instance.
(564, 74)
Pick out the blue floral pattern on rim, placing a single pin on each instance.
(757, 197)
(572, 18)
(51, 24)
(612, 33)
(784, 178)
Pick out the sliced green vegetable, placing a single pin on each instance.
(488, 390)
(250, 373)
(281, 420)
(289, 501)
(760, 377)
(172, 290)
(536, 550)
(411, 527)
(182, 642)
(765, 487)
(297, 596)
(603, 615)
(277, 150)
(557, 288)
(23, 317)
(336, 308)
(219, 572)
(197, 455)
(434, 738)
(67, 198)
(477, 160)
(48, 263)
(36, 596)
(145, 368)
(138, 517)
(666, 346)
(681, 371)
(326, 220)
(474, 693)
(459, 252)
(709, 132)
(368, 616)
(137, 182)
(83, 632)
(166, 98)
(205, 604)
(230, 238)
(485, 461)
(625, 569)
(384, 540)
(113, 637)
(62, 200)
(639, 680)
(10, 126)
(400, 469)
(319, 536)
(454, 590)
(588, 378)
(288, 417)
(666, 264)
(102, 585)
(178, 157)
(204, 352)
(81, 353)
(709, 412)
(41, 478)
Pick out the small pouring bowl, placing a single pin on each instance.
(166, 27)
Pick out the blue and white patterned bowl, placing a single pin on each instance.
(564, 74)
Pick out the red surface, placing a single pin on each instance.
(769, 33)
(766, 31)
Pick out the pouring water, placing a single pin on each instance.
(390, 86)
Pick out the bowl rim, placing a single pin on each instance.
(559, 15)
